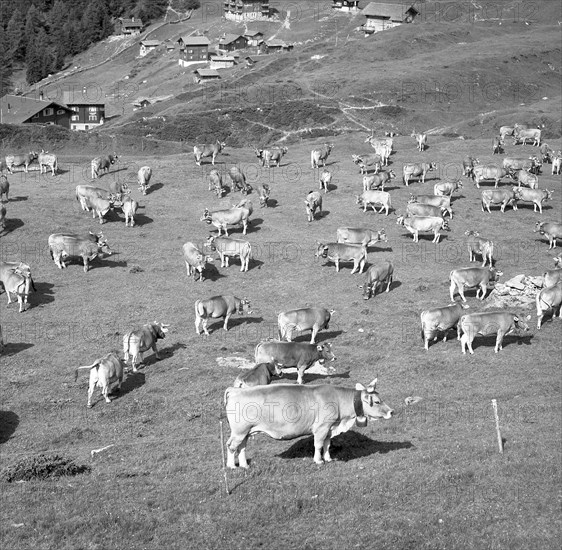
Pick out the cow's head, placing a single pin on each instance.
(160, 330)
(244, 307)
(356, 159)
(206, 217)
(413, 198)
(373, 407)
(557, 261)
(321, 250)
(391, 174)
(367, 289)
(538, 227)
(445, 225)
(381, 236)
(211, 242)
(471, 233)
(325, 353)
(400, 220)
(495, 274)
(113, 158)
(259, 152)
(33, 155)
(521, 323)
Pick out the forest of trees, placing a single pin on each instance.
(40, 35)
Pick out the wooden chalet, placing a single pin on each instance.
(244, 10)
(87, 112)
(206, 75)
(232, 42)
(254, 38)
(346, 6)
(382, 16)
(222, 62)
(130, 26)
(193, 49)
(19, 109)
(146, 46)
(276, 46)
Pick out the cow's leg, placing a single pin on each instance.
(227, 317)
(355, 266)
(314, 333)
(464, 342)
(205, 322)
(388, 284)
(361, 265)
(326, 449)
(105, 391)
(245, 225)
(91, 389)
(20, 301)
(337, 262)
(499, 340)
(155, 350)
(540, 315)
(198, 322)
(300, 372)
(85, 260)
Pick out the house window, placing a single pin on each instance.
(74, 126)
(93, 117)
(75, 117)
(86, 127)
(93, 109)
(189, 51)
(48, 111)
(36, 115)
(60, 112)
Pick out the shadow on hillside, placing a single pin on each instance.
(43, 294)
(490, 341)
(154, 187)
(12, 348)
(132, 381)
(18, 199)
(170, 350)
(254, 223)
(11, 224)
(379, 248)
(9, 422)
(272, 203)
(322, 336)
(241, 320)
(347, 446)
(108, 262)
(211, 273)
(142, 219)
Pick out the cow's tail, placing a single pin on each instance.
(199, 310)
(312, 159)
(56, 165)
(225, 399)
(279, 332)
(95, 363)
(256, 350)
(127, 343)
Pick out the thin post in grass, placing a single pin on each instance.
(223, 459)
(500, 442)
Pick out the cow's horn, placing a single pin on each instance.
(360, 387)
(373, 385)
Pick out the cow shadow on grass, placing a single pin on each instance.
(107, 262)
(43, 294)
(9, 422)
(272, 203)
(212, 273)
(11, 224)
(170, 350)
(490, 341)
(154, 187)
(11, 348)
(238, 322)
(18, 199)
(142, 219)
(132, 381)
(254, 224)
(345, 447)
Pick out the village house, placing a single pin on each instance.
(18, 109)
(206, 75)
(141, 104)
(222, 62)
(243, 10)
(347, 6)
(130, 26)
(276, 46)
(87, 113)
(254, 38)
(193, 49)
(382, 16)
(147, 46)
(232, 42)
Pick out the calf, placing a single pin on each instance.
(549, 300)
(484, 324)
(216, 308)
(325, 180)
(370, 198)
(143, 178)
(260, 375)
(313, 203)
(472, 277)
(439, 320)
(378, 180)
(103, 372)
(136, 342)
(231, 248)
(482, 247)
(378, 276)
(552, 230)
(264, 195)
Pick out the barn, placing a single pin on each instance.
(193, 49)
(244, 10)
(147, 46)
(383, 16)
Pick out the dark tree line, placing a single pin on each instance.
(41, 34)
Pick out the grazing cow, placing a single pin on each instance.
(472, 277)
(378, 180)
(442, 202)
(101, 207)
(195, 260)
(359, 235)
(370, 198)
(318, 156)
(533, 134)
(231, 248)
(498, 197)
(238, 179)
(4, 187)
(300, 320)
(368, 161)
(204, 151)
(424, 224)
(549, 300)
(222, 218)
(481, 173)
(552, 230)
(480, 246)
(531, 164)
(88, 247)
(218, 307)
(468, 165)
(335, 410)
(447, 188)
(313, 203)
(417, 170)
(143, 178)
(46, 161)
(553, 276)
(522, 177)
(325, 180)
(382, 146)
(421, 140)
(14, 161)
(338, 252)
(260, 375)
(417, 209)
(129, 207)
(546, 153)
(536, 196)
(273, 156)
(377, 276)
(497, 145)
(294, 354)
(265, 191)
(103, 372)
(440, 320)
(484, 324)
(101, 165)
(215, 183)
(3, 217)
(84, 194)
(136, 342)
(117, 189)
(506, 131)
(556, 163)
(16, 278)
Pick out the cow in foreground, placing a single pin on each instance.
(498, 197)
(218, 307)
(17, 280)
(536, 196)
(424, 224)
(15, 161)
(371, 198)
(440, 320)
(418, 171)
(195, 260)
(482, 247)
(552, 230)
(210, 150)
(318, 156)
(359, 235)
(47, 161)
(101, 165)
(472, 277)
(336, 410)
(143, 178)
(294, 354)
(301, 320)
(89, 247)
(549, 300)
(103, 372)
(313, 203)
(231, 248)
(136, 342)
(500, 323)
(378, 276)
(260, 375)
(338, 252)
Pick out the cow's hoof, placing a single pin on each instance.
(89, 405)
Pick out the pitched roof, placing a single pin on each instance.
(253, 33)
(275, 42)
(131, 23)
(150, 43)
(207, 72)
(195, 40)
(229, 38)
(396, 12)
(80, 97)
(16, 109)
(223, 58)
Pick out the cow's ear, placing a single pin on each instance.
(360, 387)
(373, 385)
(319, 347)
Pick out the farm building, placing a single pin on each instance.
(147, 46)
(232, 42)
(222, 62)
(240, 10)
(193, 49)
(347, 6)
(275, 46)
(206, 75)
(254, 38)
(382, 16)
(87, 112)
(18, 109)
(142, 104)
(130, 26)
